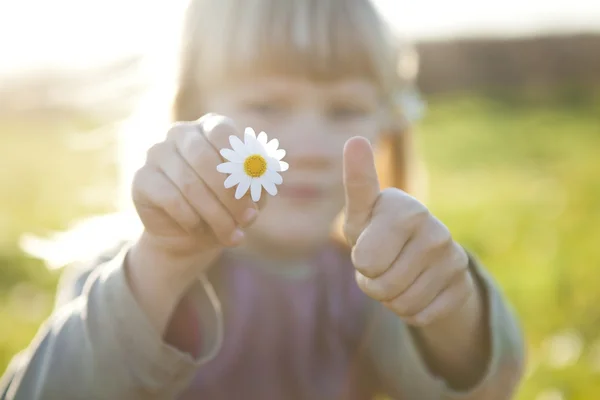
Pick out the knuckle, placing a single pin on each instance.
(143, 184)
(195, 150)
(188, 186)
(440, 237)
(224, 234)
(389, 199)
(390, 194)
(395, 197)
(423, 318)
(138, 185)
(362, 282)
(218, 126)
(177, 129)
(188, 139)
(155, 153)
(398, 284)
(404, 305)
(169, 199)
(221, 225)
(383, 289)
(419, 214)
(455, 266)
(405, 211)
(377, 289)
(461, 257)
(395, 287)
(466, 282)
(194, 223)
(360, 258)
(460, 268)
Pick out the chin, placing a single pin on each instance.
(293, 240)
(303, 238)
(282, 227)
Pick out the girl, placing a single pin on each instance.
(221, 298)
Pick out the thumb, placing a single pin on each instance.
(361, 185)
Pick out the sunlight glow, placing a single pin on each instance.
(79, 33)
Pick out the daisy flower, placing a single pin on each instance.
(253, 164)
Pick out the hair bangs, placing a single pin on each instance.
(317, 39)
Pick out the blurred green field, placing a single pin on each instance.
(516, 177)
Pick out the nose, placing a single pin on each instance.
(309, 162)
(307, 145)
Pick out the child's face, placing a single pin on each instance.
(312, 122)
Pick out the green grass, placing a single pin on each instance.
(516, 177)
(517, 180)
(44, 185)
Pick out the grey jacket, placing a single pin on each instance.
(262, 338)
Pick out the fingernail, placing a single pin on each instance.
(237, 236)
(249, 215)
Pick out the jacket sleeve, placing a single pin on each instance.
(99, 344)
(403, 373)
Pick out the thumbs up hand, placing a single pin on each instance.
(404, 256)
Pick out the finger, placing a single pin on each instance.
(154, 191)
(194, 148)
(425, 241)
(384, 237)
(378, 246)
(218, 131)
(404, 271)
(425, 288)
(452, 298)
(361, 185)
(197, 194)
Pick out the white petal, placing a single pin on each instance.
(234, 179)
(273, 145)
(242, 187)
(268, 185)
(255, 190)
(238, 146)
(273, 164)
(255, 147)
(270, 152)
(261, 149)
(229, 167)
(279, 154)
(251, 144)
(249, 132)
(250, 140)
(274, 177)
(262, 138)
(231, 155)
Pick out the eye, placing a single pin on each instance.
(265, 107)
(348, 111)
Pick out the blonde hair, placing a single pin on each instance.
(225, 40)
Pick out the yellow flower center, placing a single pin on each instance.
(255, 165)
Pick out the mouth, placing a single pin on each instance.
(301, 192)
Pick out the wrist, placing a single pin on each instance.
(465, 317)
(457, 346)
(159, 279)
(171, 271)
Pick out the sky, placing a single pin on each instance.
(78, 33)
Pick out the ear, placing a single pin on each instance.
(393, 158)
